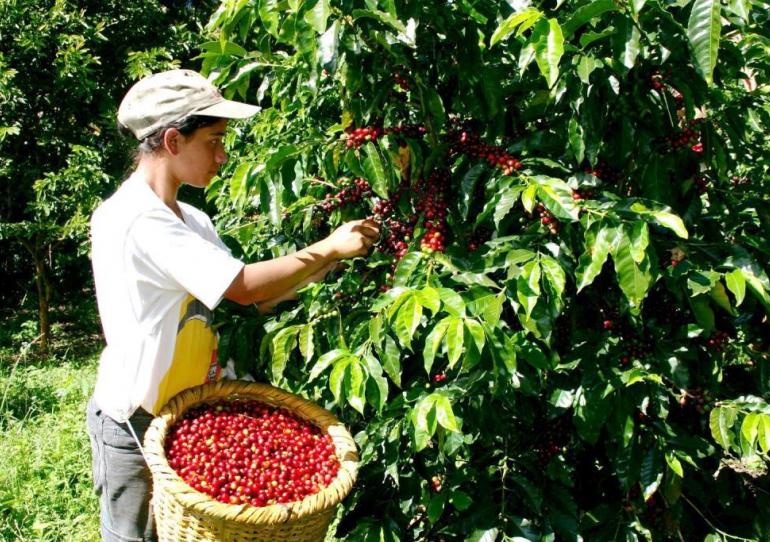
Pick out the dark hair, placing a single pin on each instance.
(154, 141)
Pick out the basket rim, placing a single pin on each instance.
(200, 503)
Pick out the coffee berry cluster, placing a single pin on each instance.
(463, 140)
(717, 341)
(359, 136)
(246, 452)
(396, 233)
(701, 183)
(401, 81)
(604, 172)
(478, 238)
(546, 218)
(582, 194)
(432, 204)
(551, 441)
(355, 192)
(687, 137)
(697, 398)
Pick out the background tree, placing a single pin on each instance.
(63, 67)
(564, 331)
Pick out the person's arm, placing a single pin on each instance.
(268, 305)
(272, 279)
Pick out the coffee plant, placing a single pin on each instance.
(562, 333)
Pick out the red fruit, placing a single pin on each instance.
(607, 324)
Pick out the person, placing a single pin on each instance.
(160, 270)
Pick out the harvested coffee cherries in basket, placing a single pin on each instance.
(245, 451)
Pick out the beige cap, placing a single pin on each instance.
(166, 97)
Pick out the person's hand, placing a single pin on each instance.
(353, 238)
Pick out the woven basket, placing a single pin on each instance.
(183, 514)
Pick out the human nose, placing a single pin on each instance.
(221, 156)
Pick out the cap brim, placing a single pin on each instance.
(228, 109)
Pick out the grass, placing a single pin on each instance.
(45, 484)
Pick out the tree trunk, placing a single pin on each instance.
(43, 285)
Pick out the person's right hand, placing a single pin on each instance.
(353, 238)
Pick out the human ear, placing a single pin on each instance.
(171, 139)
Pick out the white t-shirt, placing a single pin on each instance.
(157, 280)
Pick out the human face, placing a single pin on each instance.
(200, 154)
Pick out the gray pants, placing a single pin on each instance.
(121, 476)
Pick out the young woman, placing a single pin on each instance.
(160, 270)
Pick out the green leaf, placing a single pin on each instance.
(454, 340)
(510, 24)
(721, 421)
(585, 13)
(436, 507)
(238, 182)
(651, 473)
(750, 428)
(306, 343)
(640, 239)
(530, 351)
(703, 313)
(548, 42)
(703, 30)
(528, 286)
(528, 197)
(317, 16)
(736, 283)
(556, 195)
(406, 266)
(763, 433)
(381, 16)
(337, 378)
(598, 247)
(460, 500)
(554, 273)
(391, 360)
(436, 108)
(445, 415)
(674, 464)
(720, 297)
(432, 342)
(407, 320)
(492, 308)
(283, 343)
(453, 302)
(585, 68)
(374, 369)
(375, 330)
(508, 199)
(702, 281)
(755, 279)
(468, 188)
(356, 388)
(324, 362)
(375, 170)
(476, 331)
(422, 418)
(628, 37)
(576, 143)
(429, 298)
(634, 279)
(269, 14)
(668, 220)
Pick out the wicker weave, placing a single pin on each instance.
(183, 514)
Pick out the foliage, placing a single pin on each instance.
(583, 350)
(63, 67)
(46, 489)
